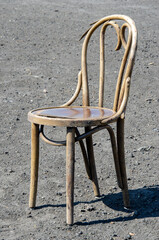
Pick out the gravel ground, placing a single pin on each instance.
(39, 62)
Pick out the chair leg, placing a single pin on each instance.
(121, 155)
(85, 157)
(70, 159)
(34, 164)
(115, 155)
(90, 151)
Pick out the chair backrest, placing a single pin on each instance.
(126, 63)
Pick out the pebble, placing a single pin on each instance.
(132, 155)
(90, 209)
(83, 210)
(59, 193)
(45, 91)
(79, 233)
(145, 148)
(128, 237)
(156, 129)
(29, 214)
(149, 100)
(115, 235)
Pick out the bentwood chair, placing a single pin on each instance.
(92, 118)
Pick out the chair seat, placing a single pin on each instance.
(70, 116)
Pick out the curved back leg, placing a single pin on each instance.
(34, 164)
(90, 151)
(115, 155)
(121, 156)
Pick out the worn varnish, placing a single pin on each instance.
(75, 112)
(92, 118)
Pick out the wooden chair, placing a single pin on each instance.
(93, 119)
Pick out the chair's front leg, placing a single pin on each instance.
(34, 164)
(90, 151)
(121, 155)
(70, 159)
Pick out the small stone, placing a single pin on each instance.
(149, 100)
(79, 233)
(45, 91)
(128, 237)
(156, 129)
(132, 155)
(131, 136)
(131, 234)
(59, 193)
(145, 148)
(83, 210)
(29, 215)
(90, 209)
(115, 235)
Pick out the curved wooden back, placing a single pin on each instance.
(127, 61)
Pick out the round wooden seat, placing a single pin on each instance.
(70, 116)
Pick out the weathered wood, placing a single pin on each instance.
(115, 155)
(34, 164)
(87, 117)
(84, 153)
(102, 57)
(78, 89)
(37, 116)
(90, 152)
(131, 56)
(70, 159)
(121, 156)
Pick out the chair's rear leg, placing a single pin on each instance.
(115, 155)
(34, 164)
(121, 155)
(90, 151)
(85, 157)
(70, 159)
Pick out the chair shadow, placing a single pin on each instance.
(144, 204)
